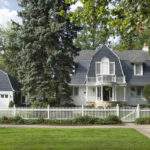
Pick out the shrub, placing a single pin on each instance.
(77, 121)
(11, 104)
(16, 120)
(146, 92)
(145, 120)
(85, 120)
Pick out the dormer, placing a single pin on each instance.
(105, 62)
(138, 69)
(138, 63)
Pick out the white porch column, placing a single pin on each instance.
(96, 93)
(101, 92)
(124, 88)
(115, 94)
(87, 92)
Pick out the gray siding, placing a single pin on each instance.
(104, 52)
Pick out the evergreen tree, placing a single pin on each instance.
(46, 58)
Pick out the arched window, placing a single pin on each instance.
(105, 67)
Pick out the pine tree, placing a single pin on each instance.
(47, 51)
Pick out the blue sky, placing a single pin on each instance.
(8, 11)
(9, 4)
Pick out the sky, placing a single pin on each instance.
(9, 9)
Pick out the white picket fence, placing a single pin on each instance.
(124, 113)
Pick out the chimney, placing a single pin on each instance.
(145, 48)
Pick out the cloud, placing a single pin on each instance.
(74, 7)
(4, 2)
(7, 15)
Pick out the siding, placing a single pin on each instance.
(104, 52)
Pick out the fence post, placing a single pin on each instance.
(82, 110)
(138, 111)
(48, 111)
(117, 110)
(14, 110)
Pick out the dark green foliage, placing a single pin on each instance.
(41, 104)
(145, 120)
(17, 98)
(47, 50)
(85, 120)
(146, 92)
(11, 104)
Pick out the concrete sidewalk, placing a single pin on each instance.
(144, 129)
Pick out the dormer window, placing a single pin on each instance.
(105, 67)
(138, 69)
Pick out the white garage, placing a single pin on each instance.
(8, 85)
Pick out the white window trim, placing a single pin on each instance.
(74, 92)
(136, 92)
(101, 71)
(135, 70)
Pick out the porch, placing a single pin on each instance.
(106, 93)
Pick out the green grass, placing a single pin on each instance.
(72, 139)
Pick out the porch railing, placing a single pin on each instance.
(105, 79)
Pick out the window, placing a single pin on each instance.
(105, 67)
(138, 69)
(6, 96)
(2, 96)
(136, 91)
(75, 91)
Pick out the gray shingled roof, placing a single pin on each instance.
(7, 82)
(130, 55)
(79, 76)
(133, 55)
(127, 58)
(136, 80)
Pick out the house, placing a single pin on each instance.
(8, 86)
(105, 76)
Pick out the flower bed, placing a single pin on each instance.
(85, 120)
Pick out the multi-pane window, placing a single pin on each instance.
(105, 67)
(4, 96)
(75, 91)
(138, 69)
(136, 91)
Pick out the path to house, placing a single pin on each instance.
(144, 129)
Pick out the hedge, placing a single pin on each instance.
(145, 120)
(85, 120)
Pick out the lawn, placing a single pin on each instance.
(72, 139)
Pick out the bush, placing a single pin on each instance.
(83, 120)
(146, 92)
(11, 104)
(145, 120)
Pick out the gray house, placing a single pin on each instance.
(103, 75)
(8, 85)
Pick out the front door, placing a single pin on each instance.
(107, 93)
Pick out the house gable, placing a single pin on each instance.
(101, 53)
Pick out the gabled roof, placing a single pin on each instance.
(8, 83)
(127, 58)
